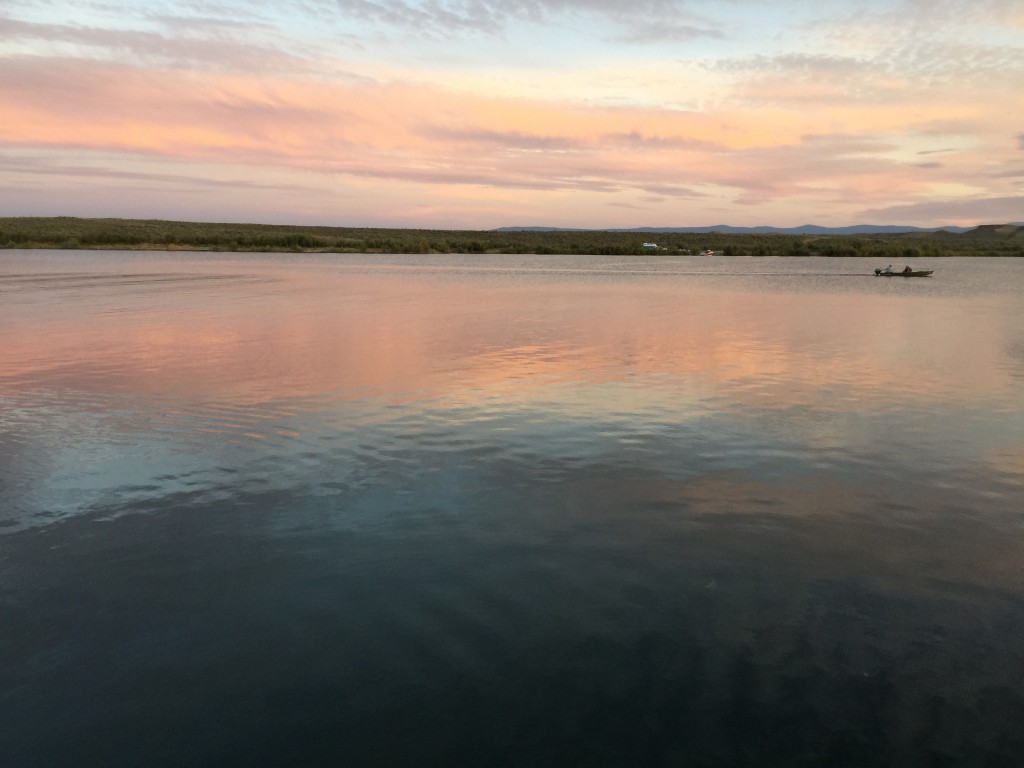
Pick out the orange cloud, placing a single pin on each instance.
(422, 133)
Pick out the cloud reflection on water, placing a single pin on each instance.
(611, 510)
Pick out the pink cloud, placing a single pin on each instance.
(423, 135)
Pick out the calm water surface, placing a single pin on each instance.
(509, 510)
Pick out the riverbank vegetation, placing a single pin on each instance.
(77, 233)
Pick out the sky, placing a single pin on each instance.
(475, 114)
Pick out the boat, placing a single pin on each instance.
(911, 273)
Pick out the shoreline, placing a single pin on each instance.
(67, 233)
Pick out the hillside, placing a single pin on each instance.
(997, 232)
(726, 229)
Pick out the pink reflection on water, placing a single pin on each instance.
(322, 331)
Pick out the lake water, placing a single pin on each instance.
(322, 510)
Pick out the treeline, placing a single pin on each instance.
(74, 233)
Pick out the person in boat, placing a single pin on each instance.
(887, 270)
(907, 270)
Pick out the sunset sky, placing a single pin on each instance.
(484, 113)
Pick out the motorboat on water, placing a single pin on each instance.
(907, 272)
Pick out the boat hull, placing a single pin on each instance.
(915, 273)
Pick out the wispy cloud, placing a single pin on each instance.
(41, 165)
(656, 106)
(958, 211)
(147, 47)
(491, 16)
(660, 31)
(506, 140)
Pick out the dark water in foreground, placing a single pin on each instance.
(292, 510)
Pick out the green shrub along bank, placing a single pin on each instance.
(75, 233)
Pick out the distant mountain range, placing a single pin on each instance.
(993, 230)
